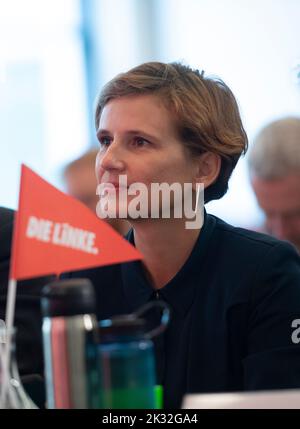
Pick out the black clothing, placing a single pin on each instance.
(232, 304)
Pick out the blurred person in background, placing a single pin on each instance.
(274, 164)
(80, 182)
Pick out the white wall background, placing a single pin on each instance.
(253, 45)
(42, 98)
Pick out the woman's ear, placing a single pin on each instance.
(208, 168)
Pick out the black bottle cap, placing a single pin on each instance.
(68, 297)
(121, 328)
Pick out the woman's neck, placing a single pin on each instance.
(165, 247)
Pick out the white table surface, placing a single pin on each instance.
(279, 399)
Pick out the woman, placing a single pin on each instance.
(233, 294)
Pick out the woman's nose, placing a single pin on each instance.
(112, 158)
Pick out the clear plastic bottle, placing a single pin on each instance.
(16, 396)
(127, 364)
(128, 367)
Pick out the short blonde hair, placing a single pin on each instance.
(206, 114)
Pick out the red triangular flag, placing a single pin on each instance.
(54, 233)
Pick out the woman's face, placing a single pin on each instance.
(137, 138)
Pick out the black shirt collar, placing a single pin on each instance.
(179, 291)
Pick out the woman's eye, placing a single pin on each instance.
(140, 142)
(104, 141)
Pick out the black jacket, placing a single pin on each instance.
(233, 304)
